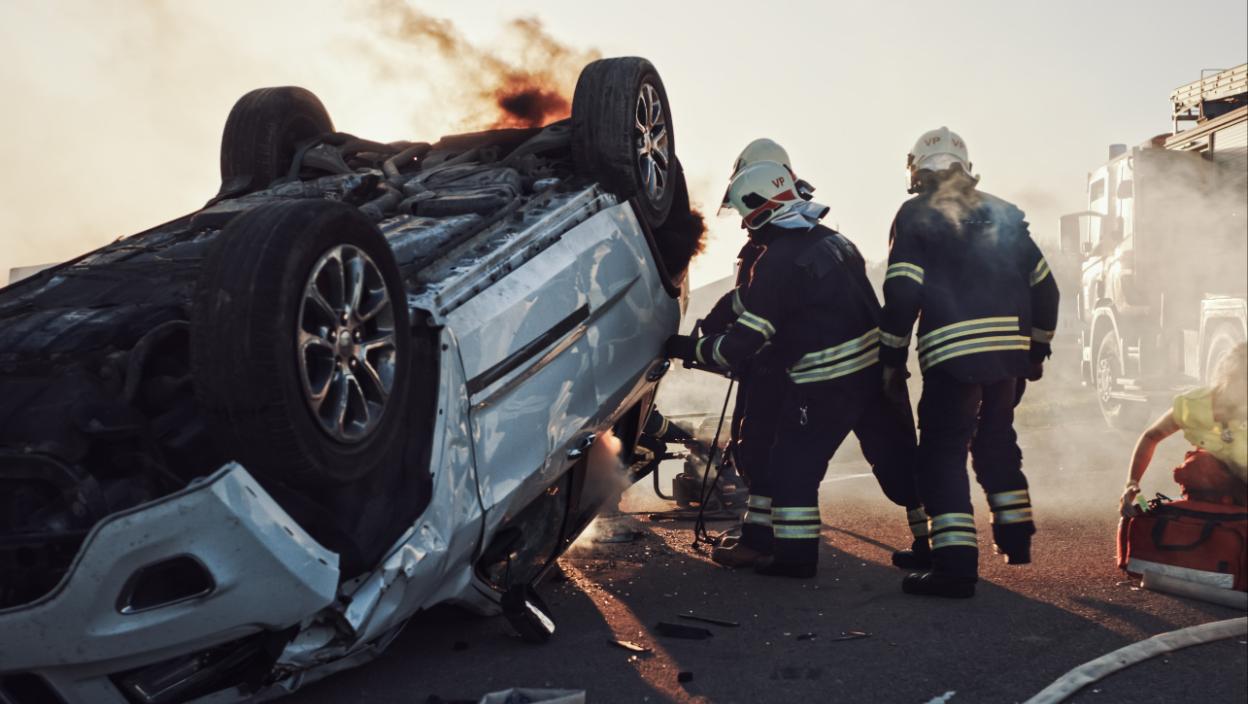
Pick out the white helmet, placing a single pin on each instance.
(761, 192)
(936, 151)
(763, 149)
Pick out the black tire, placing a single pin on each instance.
(1107, 367)
(1221, 342)
(249, 308)
(263, 130)
(605, 136)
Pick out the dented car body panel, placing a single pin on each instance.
(540, 320)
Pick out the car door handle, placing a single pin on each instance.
(581, 446)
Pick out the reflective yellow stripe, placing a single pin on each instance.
(1006, 323)
(894, 340)
(999, 343)
(757, 324)
(795, 513)
(697, 349)
(756, 501)
(1016, 515)
(835, 352)
(1038, 335)
(758, 519)
(1040, 272)
(1006, 498)
(719, 358)
(952, 520)
(954, 539)
(737, 306)
(835, 371)
(910, 271)
(799, 532)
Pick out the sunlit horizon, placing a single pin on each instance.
(116, 112)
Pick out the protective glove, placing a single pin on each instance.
(1126, 504)
(679, 347)
(895, 385)
(1035, 371)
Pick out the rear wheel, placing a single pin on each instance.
(1221, 342)
(300, 343)
(262, 133)
(622, 133)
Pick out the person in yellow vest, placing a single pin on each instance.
(1214, 420)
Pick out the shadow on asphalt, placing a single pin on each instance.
(1000, 646)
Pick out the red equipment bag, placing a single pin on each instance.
(1194, 540)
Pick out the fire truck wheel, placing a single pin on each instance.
(1107, 369)
(1221, 341)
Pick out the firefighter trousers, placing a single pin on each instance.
(812, 423)
(755, 420)
(954, 417)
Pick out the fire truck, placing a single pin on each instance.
(1162, 252)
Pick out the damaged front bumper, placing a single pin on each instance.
(212, 563)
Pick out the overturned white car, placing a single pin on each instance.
(239, 450)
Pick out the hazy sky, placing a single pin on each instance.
(113, 111)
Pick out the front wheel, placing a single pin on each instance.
(300, 343)
(1108, 369)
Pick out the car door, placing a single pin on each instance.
(530, 370)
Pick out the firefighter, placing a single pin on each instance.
(963, 263)
(807, 301)
(761, 381)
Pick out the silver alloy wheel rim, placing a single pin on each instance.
(346, 343)
(1105, 380)
(653, 143)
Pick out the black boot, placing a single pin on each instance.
(773, 568)
(938, 584)
(1013, 541)
(918, 557)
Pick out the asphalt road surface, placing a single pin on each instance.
(1026, 626)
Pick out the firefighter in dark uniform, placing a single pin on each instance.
(808, 302)
(962, 262)
(760, 383)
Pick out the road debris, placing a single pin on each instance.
(629, 646)
(849, 635)
(678, 630)
(942, 699)
(623, 536)
(707, 619)
(524, 695)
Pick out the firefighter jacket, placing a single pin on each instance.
(806, 300)
(964, 264)
(723, 313)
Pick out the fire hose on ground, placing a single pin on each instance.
(1135, 653)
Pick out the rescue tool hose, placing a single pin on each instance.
(1125, 657)
(699, 527)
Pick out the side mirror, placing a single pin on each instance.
(1068, 240)
(528, 614)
